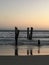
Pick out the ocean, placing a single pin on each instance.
(7, 42)
(8, 37)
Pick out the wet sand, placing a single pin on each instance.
(43, 50)
(9, 50)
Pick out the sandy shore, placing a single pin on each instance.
(43, 50)
(24, 60)
(9, 50)
(6, 50)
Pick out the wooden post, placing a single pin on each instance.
(29, 37)
(27, 33)
(16, 40)
(38, 46)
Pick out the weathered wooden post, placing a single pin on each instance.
(16, 40)
(38, 46)
(29, 37)
(27, 33)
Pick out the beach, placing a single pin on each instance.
(44, 50)
(9, 50)
(7, 54)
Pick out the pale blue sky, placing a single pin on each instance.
(23, 13)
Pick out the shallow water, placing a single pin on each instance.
(44, 50)
(8, 37)
(9, 50)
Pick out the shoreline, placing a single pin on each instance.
(6, 50)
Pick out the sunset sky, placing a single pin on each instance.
(24, 13)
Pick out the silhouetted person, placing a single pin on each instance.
(16, 40)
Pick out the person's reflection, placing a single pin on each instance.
(38, 46)
(30, 50)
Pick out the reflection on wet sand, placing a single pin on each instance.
(43, 50)
(9, 50)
